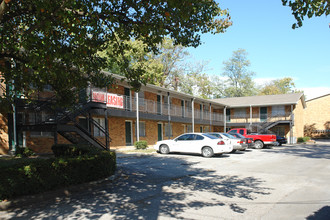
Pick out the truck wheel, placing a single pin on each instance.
(258, 144)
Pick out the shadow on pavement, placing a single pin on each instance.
(321, 214)
(148, 187)
(303, 150)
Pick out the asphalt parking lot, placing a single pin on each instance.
(287, 182)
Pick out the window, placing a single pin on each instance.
(141, 98)
(142, 129)
(37, 118)
(168, 130)
(199, 137)
(240, 112)
(207, 129)
(97, 131)
(278, 110)
(187, 128)
(186, 137)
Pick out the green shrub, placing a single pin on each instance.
(141, 144)
(35, 175)
(303, 139)
(23, 152)
(72, 150)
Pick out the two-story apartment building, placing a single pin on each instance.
(281, 114)
(120, 116)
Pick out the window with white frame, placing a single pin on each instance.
(240, 112)
(142, 129)
(97, 132)
(168, 130)
(278, 110)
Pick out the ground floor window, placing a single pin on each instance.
(142, 129)
(187, 128)
(96, 131)
(168, 130)
(38, 118)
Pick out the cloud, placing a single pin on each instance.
(315, 92)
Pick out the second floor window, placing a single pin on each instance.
(240, 112)
(278, 110)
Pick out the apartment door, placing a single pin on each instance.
(160, 132)
(128, 133)
(263, 113)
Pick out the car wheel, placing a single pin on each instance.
(280, 144)
(163, 149)
(233, 151)
(258, 144)
(207, 152)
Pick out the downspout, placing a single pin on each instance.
(137, 117)
(193, 114)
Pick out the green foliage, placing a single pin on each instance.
(141, 145)
(57, 43)
(278, 86)
(309, 129)
(303, 139)
(30, 176)
(72, 150)
(310, 8)
(24, 152)
(239, 79)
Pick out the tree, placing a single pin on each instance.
(302, 8)
(239, 79)
(57, 42)
(196, 82)
(278, 86)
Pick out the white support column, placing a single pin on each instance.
(210, 116)
(250, 116)
(291, 132)
(192, 115)
(137, 117)
(224, 119)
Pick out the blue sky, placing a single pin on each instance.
(275, 50)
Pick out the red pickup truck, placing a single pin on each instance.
(260, 140)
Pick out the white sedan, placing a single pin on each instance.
(199, 143)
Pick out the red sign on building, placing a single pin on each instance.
(112, 100)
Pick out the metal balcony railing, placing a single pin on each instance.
(269, 117)
(154, 107)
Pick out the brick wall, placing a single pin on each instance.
(4, 146)
(298, 128)
(318, 112)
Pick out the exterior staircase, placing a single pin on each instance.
(63, 121)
